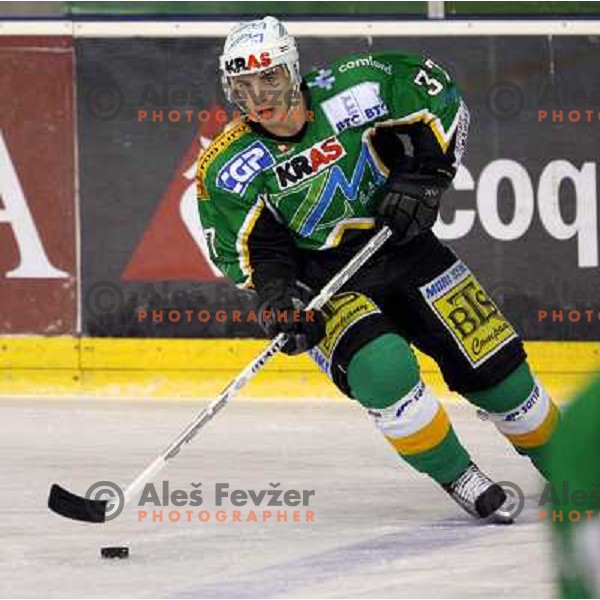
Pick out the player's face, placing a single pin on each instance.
(266, 96)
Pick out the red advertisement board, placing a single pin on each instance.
(38, 266)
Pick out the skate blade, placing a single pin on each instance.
(499, 517)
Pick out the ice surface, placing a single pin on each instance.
(380, 530)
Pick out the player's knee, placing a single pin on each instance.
(383, 371)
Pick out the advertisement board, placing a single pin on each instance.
(38, 271)
(522, 214)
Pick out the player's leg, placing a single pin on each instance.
(384, 377)
(523, 412)
(451, 318)
(370, 362)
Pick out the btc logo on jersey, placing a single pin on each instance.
(355, 106)
(309, 162)
(248, 63)
(239, 171)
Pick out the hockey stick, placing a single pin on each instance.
(76, 507)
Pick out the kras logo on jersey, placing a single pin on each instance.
(309, 162)
(355, 106)
(238, 172)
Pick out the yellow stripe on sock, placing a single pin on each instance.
(540, 435)
(426, 438)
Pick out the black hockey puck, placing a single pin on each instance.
(114, 552)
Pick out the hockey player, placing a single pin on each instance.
(288, 194)
(575, 515)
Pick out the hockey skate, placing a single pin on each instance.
(476, 493)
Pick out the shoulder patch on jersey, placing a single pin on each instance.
(323, 79)
(228, 136)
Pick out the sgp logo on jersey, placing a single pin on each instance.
(309, 162)
(355, 106)
(468, 313)
(238, 172)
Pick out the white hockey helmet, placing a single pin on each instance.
(255, 46)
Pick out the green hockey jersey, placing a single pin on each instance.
(574, 512)
(264, 200)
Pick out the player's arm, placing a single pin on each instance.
(250, 246)
(245, 240)
(427, 107)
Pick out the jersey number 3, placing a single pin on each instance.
(434, 87)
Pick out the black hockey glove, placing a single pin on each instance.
(281, 311)
(410, 204)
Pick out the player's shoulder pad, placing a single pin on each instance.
(213, 161)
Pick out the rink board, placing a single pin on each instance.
(527, 266)
(171, 368)
(522, 212)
